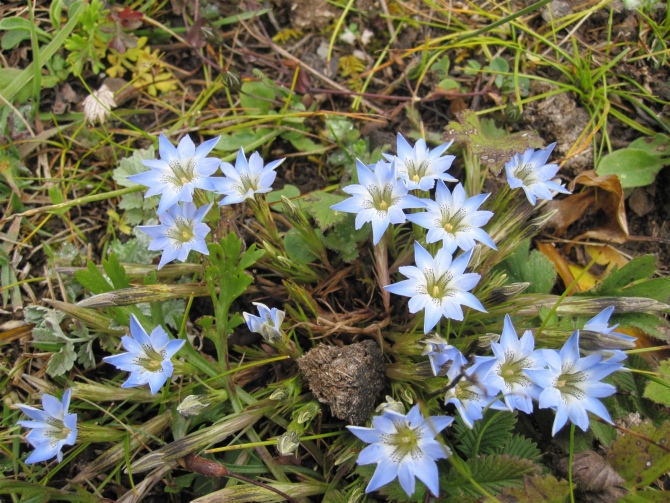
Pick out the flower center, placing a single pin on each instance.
(568, 384)
(448, 227)
(153, 361)
(417, 170)
(181, 231)
(512, 371)
(438, 288)
(382, 198)
(58, 430)
(405, 441)
(452, 223)
(182, 170)
(525, 173)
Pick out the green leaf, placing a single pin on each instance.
(658, 390)
(92, 279)
(545, 488)
(520, 447)
(256, 98)
(658, 145)
(116, 272)
(132, 166)
(289, 191)
(605, 433)
(492, 152)
(633, 166)
(62, 362)
(650, 324)
(640, 462)
(487, 436)
(297, 249)
(344, 238)
(318, 204)
(493, 472)
(533, 268)
(635, 270)
(657, 289)
(231, 142)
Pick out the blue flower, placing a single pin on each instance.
(439, 353)
(571, 385)
(438, 285)
(453, 219)
(148, 356)
(513, 357)
(378, 199)
(268, 323)
(419, 167)
(403, 446)
(52, 428)
(475, 391)
(610, 341)
(246, 178)
(181, 230)
(179, 171)
(529, 171)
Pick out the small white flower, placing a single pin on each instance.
(97, 106)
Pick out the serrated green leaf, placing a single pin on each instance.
(487, 436)
(656, 288)
(533, 268)
(493, 472)
(116, 272)
(635, 270)
(85, 356)
(639, 461)
(520, 447)
(61, 362)
(545, 488)
(658, 390)
(92, 279)
(605, 433)
(650, 324)
(132, 165)
(318, 205)
(492, 152)
(231, 142)
(344, 238)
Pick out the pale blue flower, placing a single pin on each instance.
(419, 167)
(246, 178)
(610, 341)
(267, 323)
(529, 171)
(475, 391)
(403, 446)
(379, 198)
(179, 171)
(148, 356)
(181, 230)
(571, 385)
(439, 285)
(454, 219)
(513, 357)
(439, 353)
(52, 428)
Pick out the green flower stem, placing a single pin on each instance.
(267, 224)
(269, 442)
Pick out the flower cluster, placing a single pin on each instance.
(178, 174)
(404, 446)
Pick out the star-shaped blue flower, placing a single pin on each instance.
(419, 167)
(454, 219)
(181, 230)
(475, 391)
(438, 285)
(530, 172)
(379, 198)
(267, 323)
(611, 342)
(52, 428)
(513, 357)
(571, 385)
(403, 446)
(439, 353)
(148, 356)
(246, 178)
(179, 171)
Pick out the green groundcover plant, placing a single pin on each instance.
(462, 388)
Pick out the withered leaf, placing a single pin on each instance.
(591, 472)
(492, 152)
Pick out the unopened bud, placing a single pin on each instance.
(193, 405)
(288, 443)
(390, 404)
